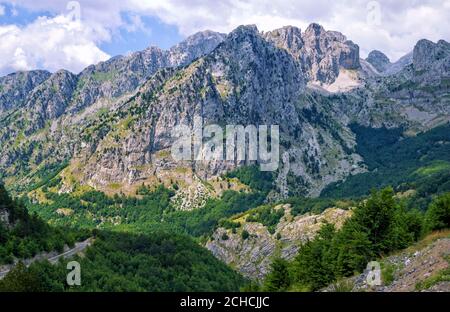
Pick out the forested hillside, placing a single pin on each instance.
(23, 235)
(420, 162)
(158, 260)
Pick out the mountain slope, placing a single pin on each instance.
(23, 235)
(111, 125)
(15, 87)
(249, 243)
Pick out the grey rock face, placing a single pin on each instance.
(288, 38)
(120, 75)
(326, 51)
(51, 98)
(194, 47)
(15, 87)
(378, 60)
(245, 80)
(321, 53)
(4, 218)
(426, 54)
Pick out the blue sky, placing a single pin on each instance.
(155, 33)
(55, 34)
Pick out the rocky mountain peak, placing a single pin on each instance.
(288, 38)
(194, 47)
(320, 53)
(16, 86)
(378, 60)
(426, 53)
(325, 52)
(243, 31)
(314, 29)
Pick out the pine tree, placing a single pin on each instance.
(278, 279)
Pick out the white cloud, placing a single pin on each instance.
(49, 43)
(2, 10)
(136, 24)
(401, 23)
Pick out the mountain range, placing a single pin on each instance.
(111, 123)
(93, 149)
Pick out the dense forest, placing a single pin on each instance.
(402, 162)
(23, 235)
(160, 261)
(152, 209)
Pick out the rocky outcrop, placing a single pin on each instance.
(427, 54)
(4, 218)
(321, 53)
(326, 52)
(51, 99)
(288, 38)
(15, 87)
(194, 47)
(253, 255)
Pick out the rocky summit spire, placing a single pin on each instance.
(378, 60)
(288, 38)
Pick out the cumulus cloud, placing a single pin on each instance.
(2, 10)
(390, 26)
(49, 43)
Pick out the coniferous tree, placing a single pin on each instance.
(278, 279)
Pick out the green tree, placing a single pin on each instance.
(438, 214)
(353, 248)
(278, 279)
(376, 217)
(313, 267)
(19, 279)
